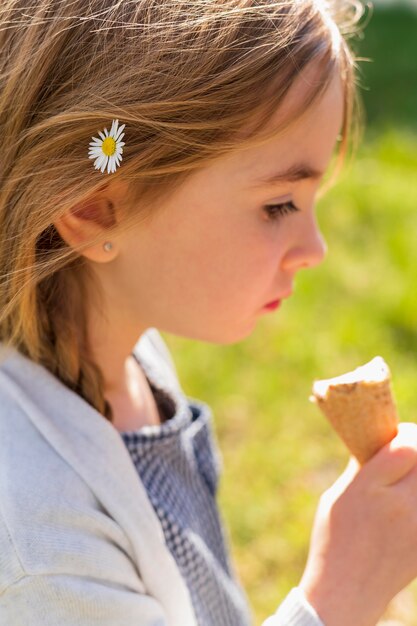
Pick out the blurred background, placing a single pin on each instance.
(279, 453)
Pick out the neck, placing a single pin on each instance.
(110, 344)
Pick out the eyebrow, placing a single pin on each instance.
(291, 175)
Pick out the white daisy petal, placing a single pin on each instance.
(102, 160)
(120, 131)
(99, 162)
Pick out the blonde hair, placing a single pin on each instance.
(184, 76)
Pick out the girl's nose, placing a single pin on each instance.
(307, 251)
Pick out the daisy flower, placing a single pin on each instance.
(107, 151)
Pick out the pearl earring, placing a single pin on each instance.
(108, 246)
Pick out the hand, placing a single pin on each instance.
(363, 548)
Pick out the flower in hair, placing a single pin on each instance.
(107, 151)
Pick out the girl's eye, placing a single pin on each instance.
(274, 211)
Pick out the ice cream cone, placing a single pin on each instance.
(361, 408)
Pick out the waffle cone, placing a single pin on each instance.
(361, 408)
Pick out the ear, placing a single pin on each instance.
(86, 221)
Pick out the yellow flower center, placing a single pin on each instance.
(109, 146)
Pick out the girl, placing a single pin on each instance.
(210, 124)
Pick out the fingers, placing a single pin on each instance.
(349, 474)
(341, 484)
(392, 463)
(396, 459)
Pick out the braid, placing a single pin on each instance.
(61, 304)
(45, 320)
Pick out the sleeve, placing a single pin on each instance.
(295, 610)
(49, 600)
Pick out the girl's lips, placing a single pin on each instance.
(272, 306)
(275, 304)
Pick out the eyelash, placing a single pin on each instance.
(275, 211)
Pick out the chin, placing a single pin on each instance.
(223, 337)
(222, 332)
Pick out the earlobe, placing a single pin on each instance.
(85, 222)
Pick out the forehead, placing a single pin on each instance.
(305, 144)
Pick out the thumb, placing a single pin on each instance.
(343, 481)
(396, 459)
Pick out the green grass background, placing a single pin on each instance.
(279, 453)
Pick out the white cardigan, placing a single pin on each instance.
(80, 544)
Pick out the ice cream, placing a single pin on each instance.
(360, 406)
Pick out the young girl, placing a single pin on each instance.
(209, 125)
